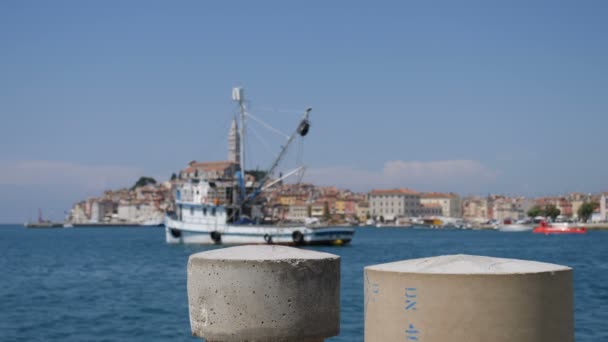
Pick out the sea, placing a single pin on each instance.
(127, 284)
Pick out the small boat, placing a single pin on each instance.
(393, 225)
(514, 227)
(42, 223)
(565, 228)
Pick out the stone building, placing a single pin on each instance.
(450, 203)
(362, 209)
(298, 211)
(209, 170)
(390, 204)
(234, 143)
(475, 208)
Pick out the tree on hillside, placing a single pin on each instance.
(536, 211)
(143, 181)
(257, 174)
(552, 211)
(173, 176)
(586, 210)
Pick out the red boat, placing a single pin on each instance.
(545, 228)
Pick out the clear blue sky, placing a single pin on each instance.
(466, 96)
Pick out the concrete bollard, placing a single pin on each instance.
(465, 298)
(263, 294)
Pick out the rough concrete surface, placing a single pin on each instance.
(464, 298)
(264, 293)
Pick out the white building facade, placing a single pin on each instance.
(298, 212)
(391, 204)
(451, 205)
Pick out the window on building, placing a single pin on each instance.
(213, 211)
(191, 210)
(205, 211)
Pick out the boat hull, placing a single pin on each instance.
(43, 225)
(514, 228)
(177, 232)
(560, 230)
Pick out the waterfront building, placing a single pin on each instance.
(77, 213)
(298, 212)
(317, 209)
(563, 204)
(394, 203)
(101, 210)
(138, 212)
(450, 203)
(362, 211)
(508, 208)
(142, 204)
(288, 200)
(340, 206)
(576, 204)
(565, 207)
(432, 210)
(350, 207)
(475, 209)
(209, 170)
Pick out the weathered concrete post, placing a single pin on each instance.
(464, 298)
(263, 294)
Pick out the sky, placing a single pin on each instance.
(473, 97)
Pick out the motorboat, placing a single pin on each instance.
(559, 228)
(514, 228)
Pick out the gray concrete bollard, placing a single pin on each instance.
(264, 293)
(464, 298)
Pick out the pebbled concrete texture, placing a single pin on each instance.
(465, 298)
(264, 293)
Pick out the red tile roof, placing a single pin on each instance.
(438, 195)
(402, 191)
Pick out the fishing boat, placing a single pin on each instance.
(229, 208)
(545, 228)
(42, 223)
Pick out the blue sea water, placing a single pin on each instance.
(126, 284)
